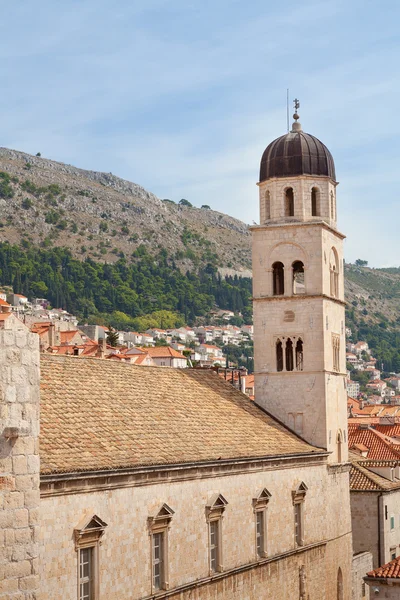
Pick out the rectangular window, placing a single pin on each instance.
(392, 523)
(336, 351)
(298, 534)
(158, 560)
(214, 546)
(392, 553)
(260, 533)
(86, 587)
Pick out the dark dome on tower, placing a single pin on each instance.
(296, 153)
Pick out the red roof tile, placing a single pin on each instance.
(390, 570)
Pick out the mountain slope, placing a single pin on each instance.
(99, 215)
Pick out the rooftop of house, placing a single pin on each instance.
(103, 415)
(389, 571)
(378, 445)
(163, 352)
(363, 479)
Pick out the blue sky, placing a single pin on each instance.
(182, 97)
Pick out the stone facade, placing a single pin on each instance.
(19, 461)
(125, 551)
(362, 563)
(312, 401)
(376, 524)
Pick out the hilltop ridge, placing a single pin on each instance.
(108, 215)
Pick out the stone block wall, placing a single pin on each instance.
(362, 564)
(19, 461)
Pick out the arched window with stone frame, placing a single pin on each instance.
(334, 273)
(298, 278)
(278, 279)
(299, 355)
(289, 202)
(315, 202)
(340, 591)
(279, 355)
(267, 206)
(289, 355)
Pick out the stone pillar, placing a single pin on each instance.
(19, 461)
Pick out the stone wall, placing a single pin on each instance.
(125, 557)
(362, 564)
(313, 401)
(19, 461)
(371, 514)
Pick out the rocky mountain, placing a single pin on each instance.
(47, 204)
(99, 215)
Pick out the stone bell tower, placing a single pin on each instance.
(298, 292)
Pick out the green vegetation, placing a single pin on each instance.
(127, 290)
(6, 189)
(185, 202)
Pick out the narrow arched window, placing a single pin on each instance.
(267, 206)
(289, 203)
(289, 355)
(340, 592)
(334, 273)
(299, 355)
(332, 206)
(278, 277)
(279, 356)
(298, 277)
(315, 208)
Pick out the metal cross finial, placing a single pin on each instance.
(296, 104)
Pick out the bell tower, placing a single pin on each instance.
(298, 292)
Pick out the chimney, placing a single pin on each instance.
(102, 348)
(51, 334)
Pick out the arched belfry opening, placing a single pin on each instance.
(299, 355)
(289, 202)
(267, 206)
(279, 355)
(298, 277)
(289, 355)
(315, 202)
(278, 279)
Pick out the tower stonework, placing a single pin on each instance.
(298, 293)
(19, 461)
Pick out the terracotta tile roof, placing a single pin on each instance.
(389, 430)
(163, 352)
(67, 336)
(360, 479)
(99, 414)
(364, 480)
(378, 447)
(390, 570)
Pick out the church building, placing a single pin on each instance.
(141, 483)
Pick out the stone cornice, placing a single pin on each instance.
(60, 484)
(322, 224)
(291, 373)
(297, 298)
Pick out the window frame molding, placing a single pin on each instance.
(160, 523)
(215, 509)
(88, 534)
(260, 505)
(298, 498)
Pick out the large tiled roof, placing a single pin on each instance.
(362, 480)
(390, 570)
(378, 447)
(100, 415)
